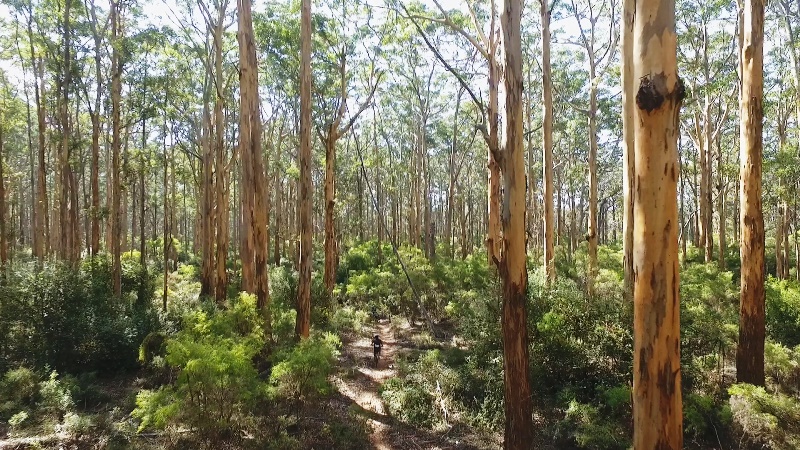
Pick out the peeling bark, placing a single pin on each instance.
(517, 391)
(657, 404)
(303, 321)
(750, 352)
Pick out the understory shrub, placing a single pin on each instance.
(425, 391)
(706, 419)
(765, 420)
(590, 429)
(68, 319)
(373, 279)
(709, 326)
(783, 311)
(408, 403)
(217, 384)
(28, 400)
(782, 368)
(578, 345)
(349, 318)
(302, 374)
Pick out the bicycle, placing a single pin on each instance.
(377, 344)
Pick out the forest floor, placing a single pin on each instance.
(359, 382)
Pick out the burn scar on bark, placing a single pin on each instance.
(653, 91)
(644, 359)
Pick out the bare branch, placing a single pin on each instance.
(441, 59)
(450, 24)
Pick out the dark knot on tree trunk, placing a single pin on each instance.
(653, 91)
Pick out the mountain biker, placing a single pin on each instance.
(377, 344)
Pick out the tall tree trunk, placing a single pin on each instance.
(94, 246)
(573, 228)
(547, 142)
(3, 227)
(276, 248)
(796, 229)
(254, 189)
(723, 244)
(31, 172)
(380, 221)
(222, 222)
(125, 190)
(779, 243)
(704, 161)
(430, 245)
(40, 216)
(685, 222)
(207, 221)
(303, 324)
(116, 93)
(417, 191)
(657, 405)
(628, 155)
(135, 210)
(517, 391)
(67, 209)
(451, 186)
(786, 229)
(750, 352)
(360, 233)
(330, 194)
(534, 239)
(592, 235)
(788, 16)
(142, 202)
(168, 211)
(494, 237)
(332, 135)
(221, 172)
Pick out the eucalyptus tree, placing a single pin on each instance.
(569, 131)
(486, 44)
(277, 34)
(547, 141)
(117, 33)
(788, 13)
(461, 152)
(513, 267)
(533, 91)
(598, 37)
(31, 48)
(255, 273)
(418, 84)
(98, 26)
(145, 70)
(68, 243)
(784, 171)
(14, 156)
(303, 321)
(9, 118)
(627, 16)
(657, 403)
(707, 53)
(750, 351)
(332, 94)
(397, 141)
(210, 43)
(216, 21)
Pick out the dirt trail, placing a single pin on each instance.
(360, 382)
(364, 380)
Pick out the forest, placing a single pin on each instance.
(570, 224)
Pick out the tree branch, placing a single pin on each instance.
(441, 59)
